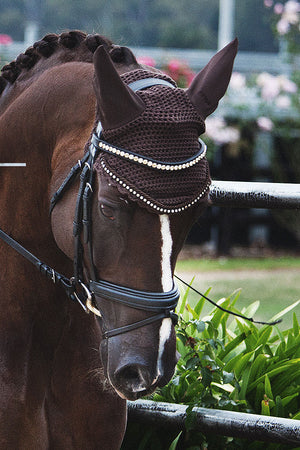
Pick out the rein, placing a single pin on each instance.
(162, 304)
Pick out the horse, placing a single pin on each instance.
(112, 148)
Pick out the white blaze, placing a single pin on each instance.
(166, 282)
(166, 252)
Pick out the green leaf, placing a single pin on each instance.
(278, 406)
(206, 376)
(191, 417)
(219, 314)
(283, 382)
(191, 311)
(200, 326)
(225, 387)
(295, 325)
(241, 364)
(238, 363)
(251, 309)
(175, 442)
(288, 399)
(257, 367)
(263, 339)
(199, 306)
(296, 416)
(288, 367)
(259, 395)
(265, 407)
(228, 377)
(268, 389)
(183, 299)
(244, 383)
(284, 311)
(232, 345)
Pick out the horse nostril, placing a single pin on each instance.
(133, 377)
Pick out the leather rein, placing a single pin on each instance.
(162, 304)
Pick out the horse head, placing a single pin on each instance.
(144, 209)
(147, 182)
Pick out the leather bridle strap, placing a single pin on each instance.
(52, 274)
(68, 180)
(144, 300)
(161, 303)
(141, 323)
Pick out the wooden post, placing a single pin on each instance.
(226, 22)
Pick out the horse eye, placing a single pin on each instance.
(107, 211)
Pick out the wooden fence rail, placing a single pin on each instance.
(253, 427)
(242, 194)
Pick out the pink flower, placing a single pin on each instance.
(278, 8)
(218, 131)
(174, 65)
(287, 85)
(146, 61)
(283, 26)
(264, 123)
(271, 90)
(180, 72)
(268, 3)
(292, 7)
(5, 39)
(238, 81)
(263, 78)
(283, 102)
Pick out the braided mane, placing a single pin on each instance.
(55, 49)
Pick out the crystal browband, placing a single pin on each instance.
(151, 203)
(149, 162)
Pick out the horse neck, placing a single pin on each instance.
(52, 120)
(29, 76)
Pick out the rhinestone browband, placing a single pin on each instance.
(153, 163)
(150, 203)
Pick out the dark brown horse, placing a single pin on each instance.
(149, 178)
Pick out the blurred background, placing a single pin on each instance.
(253, 136)
(151, 23)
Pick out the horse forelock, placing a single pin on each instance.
(55, 49)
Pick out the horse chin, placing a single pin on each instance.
(135, 395)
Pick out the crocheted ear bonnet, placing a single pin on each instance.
(166, 130)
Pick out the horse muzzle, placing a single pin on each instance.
(140, 354)
(138, 365)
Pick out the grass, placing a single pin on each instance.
(222, 263)
(274, 282)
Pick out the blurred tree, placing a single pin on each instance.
(253, 27)
(165, 23)
(12, 18)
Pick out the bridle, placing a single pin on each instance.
(162, 304)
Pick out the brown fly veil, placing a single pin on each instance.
(164, 123)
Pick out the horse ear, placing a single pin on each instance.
(209, 85)
(117, 104)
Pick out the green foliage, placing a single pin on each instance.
(223, 364)
(231, 364)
